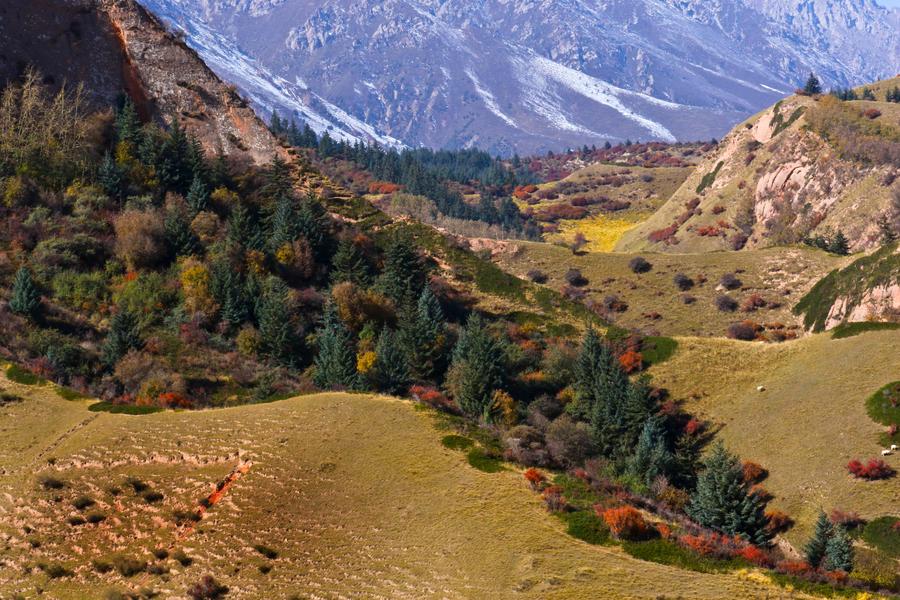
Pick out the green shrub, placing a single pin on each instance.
(656, 350)
(709, 178)
(83, 502)
(70, 394)
(456, 442)
(876, 569)
(123, 409)
(586, 526)
(48, 482)
(667, 552)
(56, 571)
(881, 534)
(81, 291)
(884, 405)
(479, 459)
(18, 375)
(266, 551)
(127, 566)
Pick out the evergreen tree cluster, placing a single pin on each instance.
(836, 244)
(830, 547)
(893, 95)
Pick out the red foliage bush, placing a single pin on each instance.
(847, 519)
(666, 235)
(554, 499)
(383, 187)
(872, 113)
(873, 470)
(753, 472)
(718, 209)
(754, 555)
(535, 479)
(433, 398)
(709, 231)
(797, 568)
(561, 211)
(694, 426)
(631, 361)
(173, 400)
(626, 523)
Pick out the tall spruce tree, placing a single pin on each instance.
(26, 298)
(314, 225)
(839, 551)
(816, 547)
(349, 264)
(278, 182)
(128, 126)
(723, 500)
(198, 196)
(275, 321)
(839, 244)
(423, 335)
(813, 86)
(179, 235)
(477, 369)
(123, 336)
(404, 275)
(652, 457)
(283, 224)
(111, 178)
(173, 164)
(391, 368)
(336, 360)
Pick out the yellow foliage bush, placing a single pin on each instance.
(365, 362)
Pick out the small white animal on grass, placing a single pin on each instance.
(886, 452)
(894, 448)
(761, 388)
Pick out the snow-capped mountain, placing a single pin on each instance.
(532, 75)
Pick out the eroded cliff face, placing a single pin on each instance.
(880, 303)
(115, 47)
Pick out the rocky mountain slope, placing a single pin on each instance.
(804, 167)
(532, 75)
(114, 45)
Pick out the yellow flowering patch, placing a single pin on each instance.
(601, 232)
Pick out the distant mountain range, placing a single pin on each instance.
(532, 75)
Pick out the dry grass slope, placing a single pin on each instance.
(354, 494)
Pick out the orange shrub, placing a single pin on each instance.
(631, 361)
(793, 567)
(535, 478)
(754, 555)
(753, 472)
(626, 523)
(383, 187)
(778, 521)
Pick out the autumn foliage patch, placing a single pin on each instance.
(872, 470)
(626, 523)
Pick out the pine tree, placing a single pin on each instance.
(283, 224)
(723, 501)
(815, 549)
(839, 245)
(111, 178)
(123, 336)
(813, 86)
(391, 368)
(198, 196)
(173, 165)
(196, 161)
(128, 125)
(652, 457)
(839, 551)
(404, 276)
(278, 182)
(423, 336)
(26, 298)
(243, 228)
(639, 407)
(336, 360)
(349, 264)
(275, 321)
(314, 225)
(179, 235)
(477, 369)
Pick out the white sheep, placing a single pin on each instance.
(761, 388)
(886, 452)
(894, 448)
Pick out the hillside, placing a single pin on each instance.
(348, 494)
(807, 167)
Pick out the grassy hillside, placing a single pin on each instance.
(779, 275)
(339, 495)
(807, 424)
(806, 166)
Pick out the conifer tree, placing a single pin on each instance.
(813, 86)
(816, 547)
(283, 224)
(173, 166)
(278, 183)
(196, 161)
(274, 321)
(181, 239)
(111, 178)
(639, 407)
(391, 368)
(349, 264)
(198, 196)
(314, 225)
(477, 370)
(839, 245)
(423, 336)
(336, 360)
(26, 298)
(243, 229)
(723, 501)
(404, 276)
(839, 551)
(652, 457)
(123, 336)
(128, 125)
